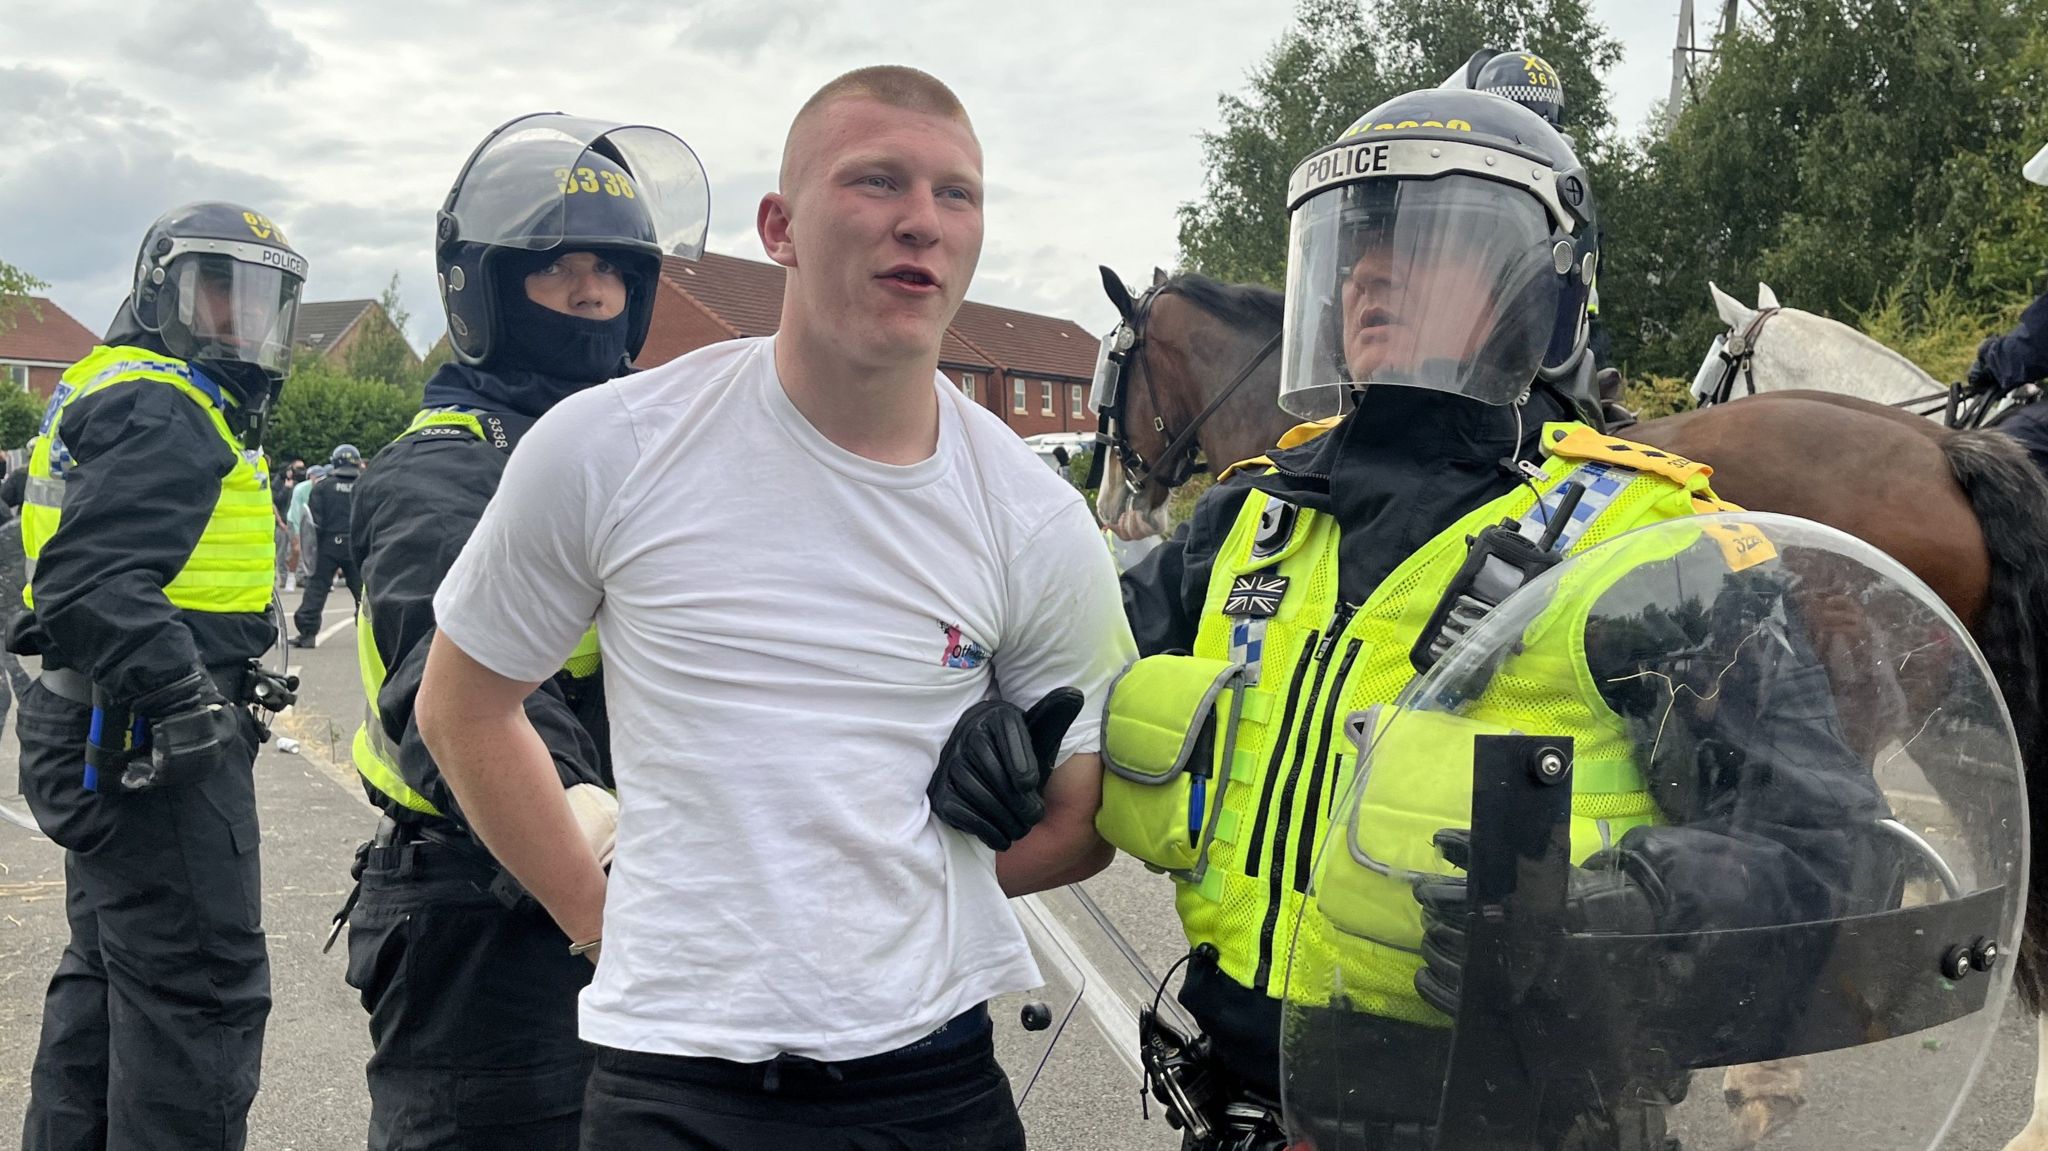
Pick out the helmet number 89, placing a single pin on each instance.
(591, 181)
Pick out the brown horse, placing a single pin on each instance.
(1965, 511)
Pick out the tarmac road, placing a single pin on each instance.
(313, 1097)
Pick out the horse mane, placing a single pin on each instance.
(1240, 305)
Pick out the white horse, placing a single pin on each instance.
(1771, 348)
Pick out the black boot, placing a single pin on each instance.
(306, 641)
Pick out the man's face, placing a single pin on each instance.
(883, 229)
(581, 284)
(1405, 308)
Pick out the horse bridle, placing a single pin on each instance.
(1959, 405)
(1738, 358)
(1176, 461)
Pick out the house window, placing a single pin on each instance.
(1080, 408)
(17, 374)
(1047, 408)
(1017, 397)
(967, 385)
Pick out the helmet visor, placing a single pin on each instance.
(229, 309)
(543, 181)
(1446, 283)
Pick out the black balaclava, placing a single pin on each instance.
(539, 339)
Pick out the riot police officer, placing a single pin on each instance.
(147, 527)
(550, 251)
(1440, 265)
(328, 505)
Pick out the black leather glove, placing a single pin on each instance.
(1599, 900)
(191, 728)
(1981, 377)
(990, 781)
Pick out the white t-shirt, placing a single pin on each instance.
(790, 632)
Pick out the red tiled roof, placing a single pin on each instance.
(746, 294)
(40, 330)
(1027, 343)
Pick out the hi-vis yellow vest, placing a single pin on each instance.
(1278, 665)
(376, 758)
(234, 566)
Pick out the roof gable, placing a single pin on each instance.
(320, 326)
(40, 330)
(1027, 343)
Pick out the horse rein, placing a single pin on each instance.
(1176, 461)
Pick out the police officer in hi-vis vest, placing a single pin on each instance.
(550, 248)
(1440, 261)
(148, 530)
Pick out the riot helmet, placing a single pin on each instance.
(218, 285)
(346, 456)
(1525, 78)
(551, 183)
(1445, 241)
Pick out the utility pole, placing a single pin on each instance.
(1691, 64)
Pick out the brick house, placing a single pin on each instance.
(332, 327)
(38, 340)
(1032, 371)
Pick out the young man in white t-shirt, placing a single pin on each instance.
(827, 588)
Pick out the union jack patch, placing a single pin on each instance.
(1256, 595)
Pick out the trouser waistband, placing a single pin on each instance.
(961, 1035)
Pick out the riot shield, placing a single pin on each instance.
(1727, 791)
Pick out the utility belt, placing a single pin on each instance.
(241, 683)
(117, 738)
(415, 853)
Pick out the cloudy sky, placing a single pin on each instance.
(347, 119)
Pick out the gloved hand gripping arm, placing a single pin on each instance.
(990, 781)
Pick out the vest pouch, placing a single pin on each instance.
(1414, 780)
(1164, 786)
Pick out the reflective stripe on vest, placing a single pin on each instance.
(232, 568)
(1292, 763)
(376, 757)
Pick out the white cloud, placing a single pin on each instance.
(227, 40)
(1089, 116)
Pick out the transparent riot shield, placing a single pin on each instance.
(515, 190)
(1727, 799)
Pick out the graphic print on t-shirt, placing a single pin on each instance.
(961, 651)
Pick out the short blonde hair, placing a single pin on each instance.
(896, 85)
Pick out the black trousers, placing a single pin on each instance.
(153, 1024)
(472, 1009)
(944, 1092)
(333, 557)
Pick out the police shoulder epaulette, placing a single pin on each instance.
(1579, 442)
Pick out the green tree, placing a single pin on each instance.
(382, 353)
(21, 413)
(322, 407)
(1342, 58)
(1845, 150)
(15, 287)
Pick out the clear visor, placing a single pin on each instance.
(520, 189)
(233, 310)
(1445, 283)
(1103, 392)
